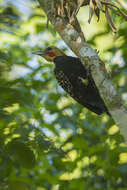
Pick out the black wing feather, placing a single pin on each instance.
(73, 77)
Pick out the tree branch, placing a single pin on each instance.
(91, 61)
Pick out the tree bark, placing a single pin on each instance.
(90, 59)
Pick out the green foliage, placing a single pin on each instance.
(21, 153)
(47, 140)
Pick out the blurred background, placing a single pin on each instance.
(47, 140)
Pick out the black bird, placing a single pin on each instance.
(73, 78)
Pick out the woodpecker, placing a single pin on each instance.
(73, 77)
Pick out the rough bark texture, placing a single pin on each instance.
(91, 60)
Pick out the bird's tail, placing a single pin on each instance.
(108, 114)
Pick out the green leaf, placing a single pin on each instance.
(21, 153)
(18, 185)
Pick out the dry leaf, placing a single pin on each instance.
(109, 19)
(91, 11)
(98, 4)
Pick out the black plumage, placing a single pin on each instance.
(73, 78)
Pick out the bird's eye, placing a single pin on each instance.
(48, 49)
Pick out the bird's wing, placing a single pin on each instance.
(72, 76)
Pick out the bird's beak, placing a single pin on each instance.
(41, 53)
